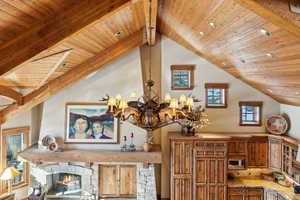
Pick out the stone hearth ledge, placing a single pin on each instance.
(34, 155)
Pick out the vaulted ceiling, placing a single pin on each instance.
(46, 45)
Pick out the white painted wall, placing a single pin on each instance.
(223, 120)
(294, 115)
(121, 76)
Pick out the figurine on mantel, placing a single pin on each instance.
(49, 143)
(124, 147)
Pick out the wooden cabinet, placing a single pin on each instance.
(257, 152)
(275, 153)
(210, 171)
(241, 193)
(117, 180)
(237, 148)
(181, 169)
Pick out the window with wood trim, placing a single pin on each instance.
(14, 141)
(182, 77)
(216, 95)
(250, 113)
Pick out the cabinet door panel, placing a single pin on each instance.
(187, 158)
(128, 180)
(221, 171)
(186, 189)
(212, 171)
(255, 194)
(182, 189)
(200, 170)
(182, 157)
(108, 180)
(258, 153)
(236, 194)
(201, 192)
(177, 157)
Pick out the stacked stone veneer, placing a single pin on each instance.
(146, 185)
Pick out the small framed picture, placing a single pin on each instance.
(91, 124)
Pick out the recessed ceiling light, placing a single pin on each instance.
(224, 63)
(270, 90)
(201, 33)
(212, 24)
(265, 32)
(271, 56)
(64, 64)
(243, 61)
(118, 33)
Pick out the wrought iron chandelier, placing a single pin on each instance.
(149, 113)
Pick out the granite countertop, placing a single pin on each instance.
(287, 192)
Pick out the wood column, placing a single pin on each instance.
(155, 76)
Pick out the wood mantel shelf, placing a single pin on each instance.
(33, 154)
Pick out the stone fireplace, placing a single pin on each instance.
(75, 181)
(63, 179)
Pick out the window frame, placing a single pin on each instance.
(222, 86)
(190, 69)
(258, 104)
(3, 164)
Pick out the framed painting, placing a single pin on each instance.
(91, 124)
(14, 141)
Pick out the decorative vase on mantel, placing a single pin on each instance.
(148, 145)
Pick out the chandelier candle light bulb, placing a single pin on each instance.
(168, 98)
(182, 100)
(112, 102)
(189, 103)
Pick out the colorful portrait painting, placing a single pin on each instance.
(90, 124)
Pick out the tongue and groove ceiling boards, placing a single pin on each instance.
(233, 34)
(49, 52)
(47, 45)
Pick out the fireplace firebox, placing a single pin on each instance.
(64, 183)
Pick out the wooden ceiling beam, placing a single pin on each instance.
(150, 8)
(11, 94)
(82, 14)
(269, 13)
(73, 75)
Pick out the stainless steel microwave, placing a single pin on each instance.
(236, 163)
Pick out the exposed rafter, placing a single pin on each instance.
(150, 7)
(75, 74)
(11, 94)
(272, 11)
(43, 36)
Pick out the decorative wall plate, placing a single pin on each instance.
(277, 124)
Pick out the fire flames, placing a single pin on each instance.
(66, 180)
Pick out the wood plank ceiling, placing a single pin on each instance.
(87, 43)
(236, 44)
